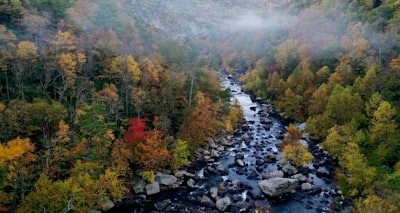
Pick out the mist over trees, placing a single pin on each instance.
(91, 91)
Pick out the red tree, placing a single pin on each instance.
(136, 131)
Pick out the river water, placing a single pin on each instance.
(258, 140)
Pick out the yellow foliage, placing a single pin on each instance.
(15, 149)
(296, 154)
(374, 204)
(26, 50)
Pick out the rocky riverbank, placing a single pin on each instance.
(242, 173)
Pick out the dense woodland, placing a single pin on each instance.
(94, 93)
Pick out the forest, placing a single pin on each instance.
(94, 93)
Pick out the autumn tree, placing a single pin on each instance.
(384, 138)
(294, 152)
(201, 123)
(16, 158)
(373, 204)
(355, 175)
(180, 154)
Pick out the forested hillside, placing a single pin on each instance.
(336, 68)
(94, 93)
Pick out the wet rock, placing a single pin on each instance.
(300, 177)
(315, 190)
(306, 186)
(259, 162)
(275, 174)
(183, 173)
(253, 108)
(214, 192)
(278, 186)
(223, 204)
(162, 204)
(205, 200)
(153, 188)
(239, 155)
(214, 153)
(322, 172)
(289, 169)
(245, 186)
(191, 183)
(167, 180)
(241, 171)
(240, 162)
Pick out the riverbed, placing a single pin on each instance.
(256, 144)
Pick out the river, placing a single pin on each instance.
(256, 143)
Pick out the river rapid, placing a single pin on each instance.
(232, 169)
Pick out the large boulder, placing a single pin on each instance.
(223, 203)
(274, 187)
(167, 180)
(153, 188)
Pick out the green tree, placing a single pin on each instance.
(384, 138)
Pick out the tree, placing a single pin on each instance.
(383, 139)
(96, 133)
(294, 152)
(136, 131)
(26, 55)
(373, 204)
(293, 135)
(202, 122)
(318, 101)
(291, 104)
(16, 157)
(180, 154)
(356, 175)
(287, 55)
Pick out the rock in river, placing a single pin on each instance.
(278, 186)
(222, 204)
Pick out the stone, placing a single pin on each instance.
(152, 188)
(214, 192)
(107, 205)
(212, 143)
(239, 155)
(191, 183)
(243, 206)
(274, 187)
(183, 173)
(162, 204)
(214, 153)
(322, 172)
(205, 200)
(223, 203)
(167, 180)
(289, 169)
(299, 177)
(139, 186)
(275, 174)
(306, 186)
(240, 162)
